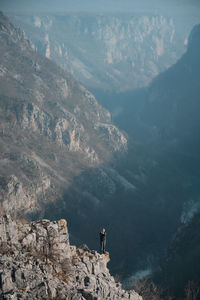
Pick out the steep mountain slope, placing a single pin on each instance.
(61, 156)
(173, 99)
(164, 165)
(170, 118)
(115, 52)
(171, 113)
(179, 272)
(167, 110)
(51, 126)
(58, 150)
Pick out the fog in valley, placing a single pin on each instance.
(134, 169)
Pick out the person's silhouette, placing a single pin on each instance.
(103, 241)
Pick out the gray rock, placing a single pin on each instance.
(43, 265)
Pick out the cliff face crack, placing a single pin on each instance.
(13, 274)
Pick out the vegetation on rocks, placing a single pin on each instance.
(37, 262)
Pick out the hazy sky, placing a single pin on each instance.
(184, 6)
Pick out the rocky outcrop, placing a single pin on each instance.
(14, 195)
(37, 262)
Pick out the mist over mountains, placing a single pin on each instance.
(33, 107)
(62, 155)
(111, 52)
(171, 109)
(179, 6)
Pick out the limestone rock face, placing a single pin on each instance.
(47, 101)
(16, 196)
(110, 51)
(37, 262)
(51, 127)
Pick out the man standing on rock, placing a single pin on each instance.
(103, 241)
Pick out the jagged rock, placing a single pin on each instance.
(84, 247)
(43, 265)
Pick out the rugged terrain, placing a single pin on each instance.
(51, 126)
(169, 116)
(115, 52)
(173, 97)
(59, 148)
(37, 262)
(61, 156)
(179, 272)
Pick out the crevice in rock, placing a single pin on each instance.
(13, 274)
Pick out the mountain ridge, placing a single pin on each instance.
(44, 113)
(113, 52)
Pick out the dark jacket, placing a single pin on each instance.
(102, 236)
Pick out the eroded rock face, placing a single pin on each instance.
(37, 262)
(43, 99)
(112, 51)
(51, 127)
(17, 196)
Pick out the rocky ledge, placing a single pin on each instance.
(37, 262)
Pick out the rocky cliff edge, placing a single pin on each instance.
(37, 262)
